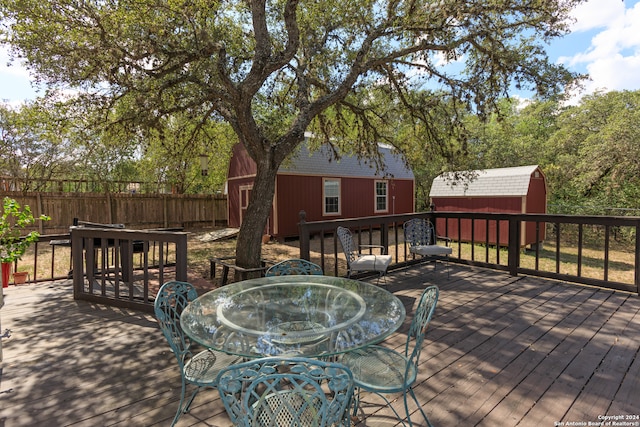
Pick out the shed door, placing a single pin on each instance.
(245, 193)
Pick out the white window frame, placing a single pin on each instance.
(376, 195)
(324, 196)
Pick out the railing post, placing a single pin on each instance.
(384, 236)
(181, 258)
(78, 259)
(305, 250)
(514, 245)
(636, 270)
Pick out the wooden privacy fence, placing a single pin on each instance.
(125, 268)
(133, 210)
(594, 250)
(12, 183)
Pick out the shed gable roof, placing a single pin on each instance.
(320, 163)
(488, 182)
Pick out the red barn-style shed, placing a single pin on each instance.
(521, 189)
(323, 187)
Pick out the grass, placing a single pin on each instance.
(620, 269)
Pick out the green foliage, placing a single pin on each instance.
(593, 155)
(175, 148)
(34, 142)
(273, 70)
(587, 151)
(13, 221)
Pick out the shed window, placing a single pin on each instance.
(382, 201)
(331, 194)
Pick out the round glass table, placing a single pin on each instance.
(292, 315)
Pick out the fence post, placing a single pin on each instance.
(165, 218)
(514, 245)
(305, 250)
(39, 212)
(213, 210)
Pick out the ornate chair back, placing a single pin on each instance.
(200, 369)
(172, 298)
(419, 324)
(293, 392)
(294, 266)
(348, 247)
(419, 232)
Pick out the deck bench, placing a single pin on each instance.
(228, 263)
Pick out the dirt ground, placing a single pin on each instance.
(202, 249)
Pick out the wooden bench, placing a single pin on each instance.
(227, 263)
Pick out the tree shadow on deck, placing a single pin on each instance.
(500, 350)
(504, 350)
(78, 362)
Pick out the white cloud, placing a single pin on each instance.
(13, 69)
(615, 73)
(595, 14)
(15, 81)
(613, 58)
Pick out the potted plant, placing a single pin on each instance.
(13, 244)
(20, 277)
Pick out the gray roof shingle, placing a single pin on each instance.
(488, 182)
(319, 163)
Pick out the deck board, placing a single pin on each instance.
(500, 350)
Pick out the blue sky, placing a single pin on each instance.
(605, 43)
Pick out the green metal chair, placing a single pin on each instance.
(420, 234)
(199, 369)
(384, 371)
(294, 266)
(291, 392)
(358, 261)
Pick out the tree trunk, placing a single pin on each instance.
(249, 244)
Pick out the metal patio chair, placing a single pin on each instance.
(382, 371)
(420, 234)
(294, 266)
(286, 391)
(358, 261)
(198, 369)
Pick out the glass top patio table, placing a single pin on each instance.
(308, 316)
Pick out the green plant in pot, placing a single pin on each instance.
(13, 222)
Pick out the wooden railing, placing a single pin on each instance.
(50, 259)
(567, 252)
(45, 260)
(105, 269)
(576, 248)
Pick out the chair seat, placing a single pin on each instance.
(431, 250)
(287, 407)
(203, 368)
(379, 369)
(371, 263)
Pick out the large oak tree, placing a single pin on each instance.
(275, 69)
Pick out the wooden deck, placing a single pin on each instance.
(501, 351)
